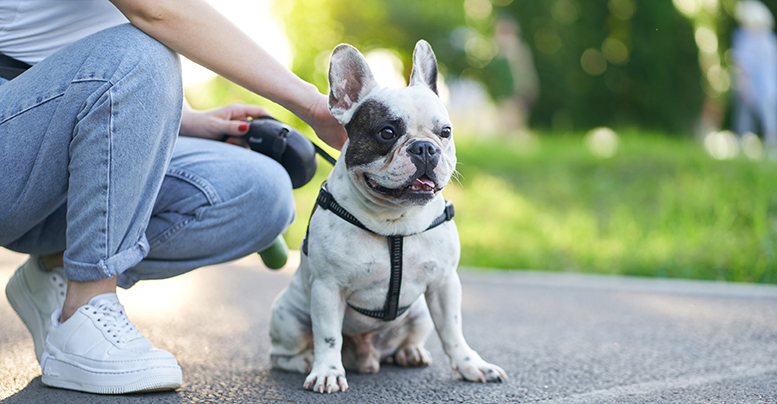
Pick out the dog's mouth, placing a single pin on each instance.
(418, 189)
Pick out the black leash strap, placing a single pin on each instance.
(391, 308)
(324, 154)
(10, 67)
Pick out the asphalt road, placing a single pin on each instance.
(562, 338)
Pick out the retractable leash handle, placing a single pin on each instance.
(296, 153)
(284, 144)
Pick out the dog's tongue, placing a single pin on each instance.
(424, 181)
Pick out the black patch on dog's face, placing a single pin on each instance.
(365, 142)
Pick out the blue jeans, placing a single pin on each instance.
(766, 113)
(91, 164)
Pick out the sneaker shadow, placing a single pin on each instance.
(37, 392)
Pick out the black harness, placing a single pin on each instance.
(390, 310)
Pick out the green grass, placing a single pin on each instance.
(660, 207)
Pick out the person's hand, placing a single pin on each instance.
(215, 123)
(326, 126)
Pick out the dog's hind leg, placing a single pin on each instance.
(403, 345)
(291, 337)
(360, 354)
(412, 352)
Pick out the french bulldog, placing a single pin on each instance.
(338, 311)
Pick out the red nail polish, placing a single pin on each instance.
(243, 127)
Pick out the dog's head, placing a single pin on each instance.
(400, 144)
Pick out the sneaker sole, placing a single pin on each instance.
(18, 294)
(68, 376)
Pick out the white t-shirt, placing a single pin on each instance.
(30, 30)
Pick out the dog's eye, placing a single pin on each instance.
(387, 133)
(446, 132)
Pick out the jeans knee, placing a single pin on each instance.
(269, 203)
(249, 195)
(130, 39)
(152, 54)
(258, 197)
(146, 91)
(138, 61)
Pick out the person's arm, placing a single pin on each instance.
(196, 30)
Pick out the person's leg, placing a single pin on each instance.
(743, 118)
(768, 116)
(92, 126)
(218, 203)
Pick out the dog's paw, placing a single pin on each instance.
(413, 356)
(326, 379)
(475, 369)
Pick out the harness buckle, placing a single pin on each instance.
(324, 199)
(449, 211)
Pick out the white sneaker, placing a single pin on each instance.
(35, 294)
(98, 350)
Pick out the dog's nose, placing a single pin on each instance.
(425, 149)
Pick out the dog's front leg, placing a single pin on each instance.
(444, 301)
(327, 307)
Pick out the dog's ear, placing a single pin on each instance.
(424, 66)
(350, 80)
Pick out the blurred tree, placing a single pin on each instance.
(315, 27)
(615, 62)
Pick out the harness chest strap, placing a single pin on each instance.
(395, 243)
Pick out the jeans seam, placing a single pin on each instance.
(86, 80)
(109, 197)
(169, 233)
(204, 187)
(37, 104)
(50, 98)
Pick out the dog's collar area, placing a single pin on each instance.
(395, 242)
(327, 202)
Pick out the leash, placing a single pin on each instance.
(395, 243)
(324, 154)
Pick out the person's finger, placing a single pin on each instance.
(233, 128)
(240, 111)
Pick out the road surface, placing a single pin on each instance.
(562, 338)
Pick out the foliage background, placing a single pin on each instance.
(654, 83)
(655, 75)
(661, 206)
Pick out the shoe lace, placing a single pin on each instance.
(115, 322)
